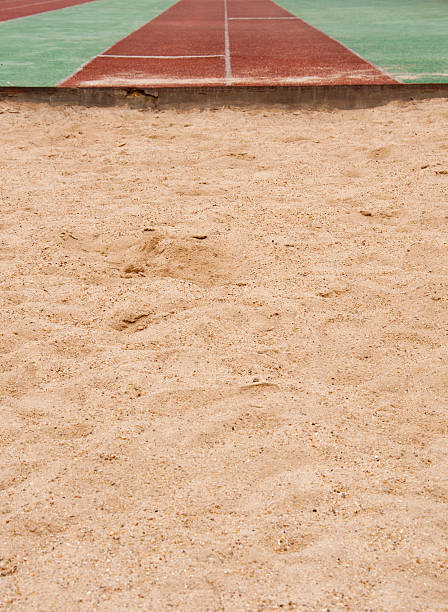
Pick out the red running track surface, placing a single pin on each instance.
(183, 45)
(227, 42)
(255, 8)
(24, 8)
(282, 49)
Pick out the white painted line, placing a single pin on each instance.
(227, 45)
(264, 18)
(75, 72)
(132, 81)
(159, 56)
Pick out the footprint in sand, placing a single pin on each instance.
(382, 153)
(187, 254)
(194, 257)
(132, 318)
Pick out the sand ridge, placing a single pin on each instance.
(223, 359)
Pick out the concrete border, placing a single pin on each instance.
(302, 96)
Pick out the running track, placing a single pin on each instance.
(226, 42)
(13, 9)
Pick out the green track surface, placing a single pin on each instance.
(41, 50)
(406, 38)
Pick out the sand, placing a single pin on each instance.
(223, 359)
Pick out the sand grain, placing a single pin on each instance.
(252, 420)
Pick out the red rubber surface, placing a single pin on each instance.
(255, 8)
(262, 51)
(24, 8)
(191, 27)
(291, 50)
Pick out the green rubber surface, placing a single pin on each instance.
(406, 38)
(42, 50)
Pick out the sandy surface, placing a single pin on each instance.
(224, 359)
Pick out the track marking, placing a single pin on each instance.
(251, 18)
(265, 52)
(159, 56)
(227, 45)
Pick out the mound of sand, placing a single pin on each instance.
(223, 359)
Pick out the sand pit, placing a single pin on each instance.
(223, 359)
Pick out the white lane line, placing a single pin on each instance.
(159, 56)
(227, 45)
(243, 18)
